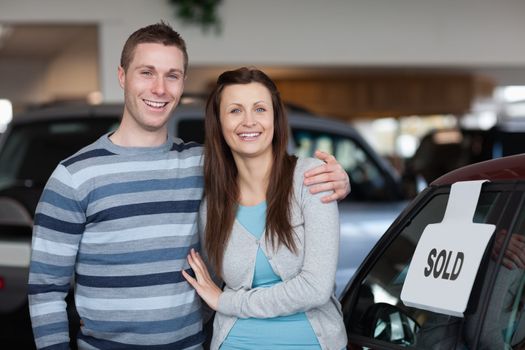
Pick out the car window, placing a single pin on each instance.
(368, 182)
(191, 130)
(32, 151)
(507, 143)
(378, 313)
(504, 321)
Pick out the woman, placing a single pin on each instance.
(273, 243)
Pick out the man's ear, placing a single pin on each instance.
(121, 76)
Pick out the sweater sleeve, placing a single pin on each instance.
(58, 227)
(314, 284)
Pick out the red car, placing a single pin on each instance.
(449, 273)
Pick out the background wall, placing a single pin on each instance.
(478, 34)
(75, 64)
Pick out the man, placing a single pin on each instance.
(121, 215)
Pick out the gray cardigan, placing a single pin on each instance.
(308, 276)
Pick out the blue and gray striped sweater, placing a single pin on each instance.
(121, 221)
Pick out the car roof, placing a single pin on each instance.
(76, 111)
(68, 111)
(189, 110)
(506, 168)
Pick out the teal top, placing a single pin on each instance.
(291, 332)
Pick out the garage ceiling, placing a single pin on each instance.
(26, 48)
(38, 41)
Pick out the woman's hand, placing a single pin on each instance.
(326, 177)
(203, 284)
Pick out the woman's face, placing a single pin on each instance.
(246, 116)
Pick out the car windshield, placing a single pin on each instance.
(368, 181)
(32, 150)
(379, 291)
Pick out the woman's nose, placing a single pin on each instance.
(249, 119)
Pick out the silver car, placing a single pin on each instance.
(376, 198)
(35, 142)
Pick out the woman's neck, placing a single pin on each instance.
(253, 177)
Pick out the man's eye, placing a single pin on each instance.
(173, 76)
(146, 73)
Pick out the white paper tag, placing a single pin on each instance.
(447, 257)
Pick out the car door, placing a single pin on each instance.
(376, 318)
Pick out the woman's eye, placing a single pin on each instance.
(235, 110)
(261, 109)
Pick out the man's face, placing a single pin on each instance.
(153, 85)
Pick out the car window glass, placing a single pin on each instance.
(507, 143)
(33, 150)
(378, 304)
(504, 323)
(191, 130)
(368, 183)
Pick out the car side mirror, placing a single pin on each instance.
(390, 324)
(12, 212)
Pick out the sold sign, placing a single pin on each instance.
(446, 260)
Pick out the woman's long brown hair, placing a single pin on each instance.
(220, 172)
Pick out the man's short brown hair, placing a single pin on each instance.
(159, 33)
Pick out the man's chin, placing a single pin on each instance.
(154, 127)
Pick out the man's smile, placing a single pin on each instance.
(155, 104)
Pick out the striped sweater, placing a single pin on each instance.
(121, 221)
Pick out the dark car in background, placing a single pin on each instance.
(444, 150)
(36, 141)
(449, 273)
(30, 149)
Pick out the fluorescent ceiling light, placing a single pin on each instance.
(6, 111)
(513, 93)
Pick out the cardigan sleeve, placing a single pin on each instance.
(314, 284)
(207, 312)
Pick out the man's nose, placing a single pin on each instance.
(159, 87)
